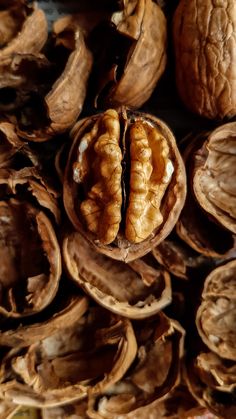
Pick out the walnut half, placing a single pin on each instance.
(125, 182)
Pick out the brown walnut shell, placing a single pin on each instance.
(138, 50)
(156, 371)
(135, 290)
(87, 357)
(197, 228)
(205, 43)
(214, 181)
(124, 184)
(216, 316)
(23, 28)
(30, 255)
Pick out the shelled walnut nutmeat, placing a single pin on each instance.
(125, 182)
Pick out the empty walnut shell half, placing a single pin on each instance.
(199, 230)
(216, 316)
(211, 380)
(155, 372)
(215, 174)
(124, 183)
(136, 46)
(23, 28)
(204, 37)
(30, 256)
(88, 356)
(135, 290)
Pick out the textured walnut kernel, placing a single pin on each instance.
(87, 357)
(215, 174)
(130, 199)
(135, 290)
(216, 316)
(205, 42)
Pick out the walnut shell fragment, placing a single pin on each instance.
(23, 28)
(155, 373)
(85, 358)
(31, 262)
(216, 316)
(134, 290)
(215, 174)
(204, 38)
(136, 50)
(124, 183)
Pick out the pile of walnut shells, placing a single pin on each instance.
(117, 233)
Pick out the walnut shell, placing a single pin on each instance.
(124, 184)
(137, 45)
(27, 284)
(160, 344)
(216, 316)
(136, 290)
(23, 28)
(87, 357)
(215, 173)
(205, 43)
(196, 227)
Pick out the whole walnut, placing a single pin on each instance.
(205, 51)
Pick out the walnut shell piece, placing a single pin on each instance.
(137, 45)
(135, 290)
(215, 175)
(23, 28)
(127, 210)
(216, 316)
(87, 357)
(160, 343)
(205, 42)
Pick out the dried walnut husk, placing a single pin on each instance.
(135, 290)
(23, 28)
(216, 316)
(199, 230)
(214, 179)
(155, 372)
(90, 355)
(205, 42)
(124, 183)
(137, 50)
(30, 255)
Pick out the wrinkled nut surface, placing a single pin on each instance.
(215, 173)
(87, 357)
(216, 316)
(23, 28)
(136, 49)
(135, 290)
(205, 42)
(124, 182)
(160, 344)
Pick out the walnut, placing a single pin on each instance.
(204, 37)
(160, 343)
(124, 184)
(135, 48)
(23, 28)
(135, 290)
(67, 364)
(27, 284)
(10, 144)
(216, 316)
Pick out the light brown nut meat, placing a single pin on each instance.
(216, 316)
(129, 201)
(205, 44)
